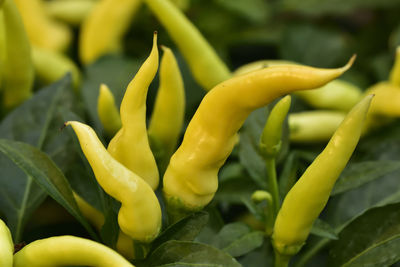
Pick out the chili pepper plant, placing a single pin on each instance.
(199, 133)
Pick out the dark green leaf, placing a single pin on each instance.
(373, 239)
(323, 229)
(248, 147)
(184, 230)
(358, 174)
(238, 239)
(190, 254)
(253, 10)
(29, 123)
(42, 170)
(235, 189)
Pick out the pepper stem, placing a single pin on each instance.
(273, 184)
(281, 260)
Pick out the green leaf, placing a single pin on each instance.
(307, 44)
(253, 10)
(184, 230)
(312, 7)
(373, 239)
(29, 123)
(323, 229)
(189, 254)
(357, 174)
(38, 166)
(249, 155)
(238, 239)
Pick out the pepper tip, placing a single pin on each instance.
(349, 63)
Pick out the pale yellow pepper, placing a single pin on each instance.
(108, 111)
(314, 126)
(67, 251)
(207, 68)
(395, 72)
(169, 108)
(190, 180)
(103, 28)
(140, 214)
(130, 145)
(43, 31)
(17, 69)
(307, 198)
(6, 246)
(387, 99)
(70, 11)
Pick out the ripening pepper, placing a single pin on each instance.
(190, 180)
(140, 214)
(207, 68)
(103, 28)
(169, 108)
(67, 251)
(6, 246)
(43, 31)
(130, 145)
(17, 73)
(108, 111)
(307, 198)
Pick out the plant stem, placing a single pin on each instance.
(281, 260)
(273, 184)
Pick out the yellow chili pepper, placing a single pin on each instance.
(190, 180)
(108, 111)
(260, 64)
(314, 126)
(42, 30)
(130, 145)
(169, 108)
(67, 251)
(307, 198)
(387, 99)
(18, 71)
(51, 66)
(6, 246)
(70, 11)
(140, 214)
(395, 72)
(207, 68)
(104, 27)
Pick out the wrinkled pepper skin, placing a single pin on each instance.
(207, 68)
(6, 246)
(140, 214)
(104, 27)
(17, 74)
(190, 180)
(130, 146)
(169, 108)
(42, 30)
(108, 111)
(67, 251)
(307, 198)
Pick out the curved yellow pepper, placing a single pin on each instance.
(17, 75)
(108, 111)
(190, 180)
(140, 214)
(67, 251)
(307, 198)
(130, 145)
(6, 246)
(207, 68)
(104, 27)
(42, 30)
(169, 108)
